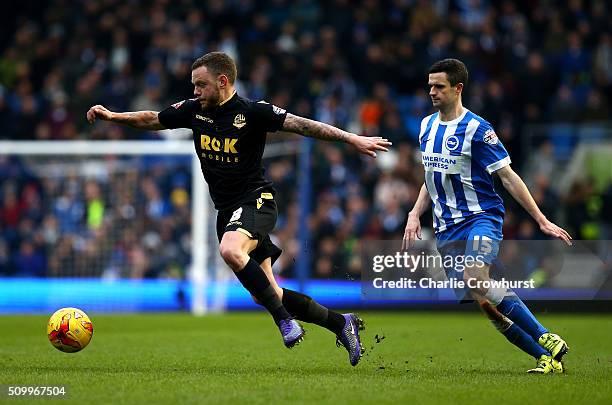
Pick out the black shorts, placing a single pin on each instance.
(256, 219)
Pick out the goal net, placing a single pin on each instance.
(107, 212)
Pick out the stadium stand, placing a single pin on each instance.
(358, 65)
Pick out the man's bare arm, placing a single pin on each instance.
(136, 119)
(326, 132)
(422, 203)
(517, 188)
(314, 129)
(412, 231)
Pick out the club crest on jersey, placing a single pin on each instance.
(490, 137)
(178, 105)
(239, 121)
(452, 143)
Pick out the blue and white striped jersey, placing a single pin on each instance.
(459, 157)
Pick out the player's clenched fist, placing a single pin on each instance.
(98, 111)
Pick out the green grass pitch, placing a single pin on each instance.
(236, 358)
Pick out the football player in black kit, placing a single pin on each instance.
(229, 134)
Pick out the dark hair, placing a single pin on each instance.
(218, 63)
(454, 69)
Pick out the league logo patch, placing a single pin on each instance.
(178, 105)
(239, 121)
(277, 110)
(490, 137)
(452, 143)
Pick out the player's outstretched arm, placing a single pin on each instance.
(413, 224)
(517, 188)
(315, 129)
(136, 119)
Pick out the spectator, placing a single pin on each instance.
(352, 64)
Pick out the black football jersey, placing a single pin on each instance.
(229, 140)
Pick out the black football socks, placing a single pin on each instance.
(304, 308)
(254, 279)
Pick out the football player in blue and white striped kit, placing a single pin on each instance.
(460, 153)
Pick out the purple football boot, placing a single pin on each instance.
(292, 332)
(349, 337)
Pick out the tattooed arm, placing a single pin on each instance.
(137, 119)
(315, 129)
(319, 130)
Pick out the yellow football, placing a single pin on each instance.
(69, 330)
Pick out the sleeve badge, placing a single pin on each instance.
(277, 110)
(490, 137)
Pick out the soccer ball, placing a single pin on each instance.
(69, 330)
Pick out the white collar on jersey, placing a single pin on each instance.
(456, 120)
(228, 99)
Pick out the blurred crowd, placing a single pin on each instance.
(360, 65)
(129, 218)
